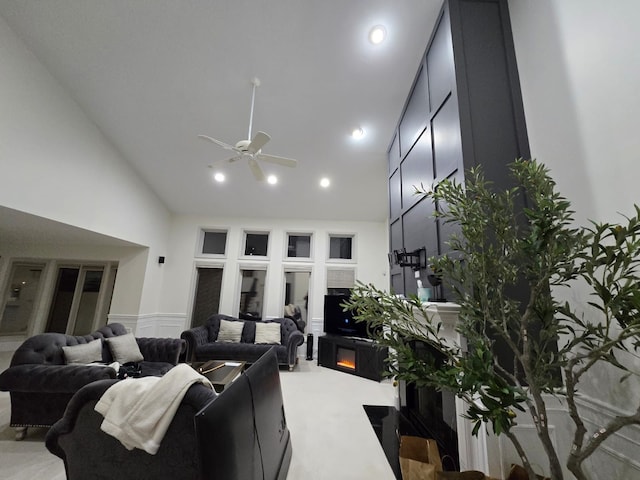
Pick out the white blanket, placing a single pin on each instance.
(138, 411)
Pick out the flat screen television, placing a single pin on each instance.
(339, 322)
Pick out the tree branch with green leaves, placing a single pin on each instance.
(508, 241)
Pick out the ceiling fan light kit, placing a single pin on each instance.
(251, 149)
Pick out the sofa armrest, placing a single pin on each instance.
(161, 349)
(52, 378)
(68, 421)
(194, 337)
(293, 342)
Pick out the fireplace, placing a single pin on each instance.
(354, 356)
(346, 358)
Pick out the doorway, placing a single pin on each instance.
(207, 297)
(21, 298)
(296, 295)
(252, 287)
(81, 299)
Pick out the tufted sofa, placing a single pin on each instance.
(41, 384)
(202, 344)
(240, 434)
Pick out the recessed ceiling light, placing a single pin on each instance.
(219, 177)
(325, 182)
(377, 34)
(357, 133)
(272, 179)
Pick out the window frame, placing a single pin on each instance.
(200, 244)
(354, 251)
(289, 234)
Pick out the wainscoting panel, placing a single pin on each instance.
(617, 457)
(165, 325)
(528, 436)
(129, 321)
(169, 325)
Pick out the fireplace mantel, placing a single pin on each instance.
(473, 450)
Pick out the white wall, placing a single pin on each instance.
(579, 69)
(371, 246)
(56, 164)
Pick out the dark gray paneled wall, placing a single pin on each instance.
(464, 109)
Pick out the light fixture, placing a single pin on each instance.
(377, 34)
(272, 179)
(357, 133)
(219, 177)
(325, 182)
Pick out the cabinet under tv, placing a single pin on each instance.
(356, 356)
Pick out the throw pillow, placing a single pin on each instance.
(230, 331)
(124, 348)
(84, 352)
(268, 332)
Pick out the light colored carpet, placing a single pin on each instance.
(331, 435)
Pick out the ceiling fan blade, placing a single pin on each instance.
(225, 160)
(256, 170)
(219, 143)
(287, 162)
(258, 142)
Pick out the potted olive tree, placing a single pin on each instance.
(554, 344)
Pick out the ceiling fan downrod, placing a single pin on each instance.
(256, 83)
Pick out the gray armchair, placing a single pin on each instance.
(240, 434)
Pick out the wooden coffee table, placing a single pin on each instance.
(220, 372)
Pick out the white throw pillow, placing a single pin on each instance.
(84, 352)
(124, 348)
(230, 331)
(268, 332)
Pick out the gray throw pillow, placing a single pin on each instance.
(84, 352)
(268, 332)
(230, 331)
(124, 348)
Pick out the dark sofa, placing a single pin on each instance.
(202, 344)
(241, 434)
(41, 384)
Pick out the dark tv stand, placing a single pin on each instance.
(359, 357)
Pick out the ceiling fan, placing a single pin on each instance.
(251, 150)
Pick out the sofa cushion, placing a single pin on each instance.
(124, 348)
(83, 352)
(267, 333)
(230, 332)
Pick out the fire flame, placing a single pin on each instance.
(346, 364)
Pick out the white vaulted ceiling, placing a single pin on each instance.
(153, 74)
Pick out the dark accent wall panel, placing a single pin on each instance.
(395, 196)
(447, 140)
(464, 109)
(490, 102)
(418, 227)
(394, 154)
(440, 66)
(396, 243)
(415, 117)
(397, 240)
(416, 169)
(397, 282)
